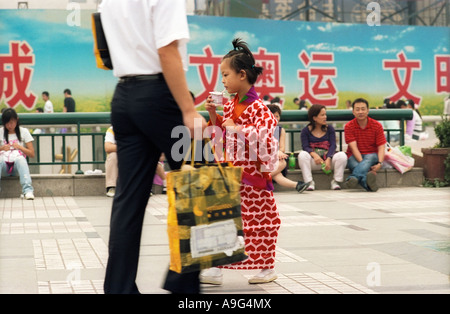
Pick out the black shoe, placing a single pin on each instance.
(351, 183)
(372, 181)
(301, 186)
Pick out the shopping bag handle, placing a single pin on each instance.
(191, 151)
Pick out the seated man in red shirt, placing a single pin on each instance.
(366, 145)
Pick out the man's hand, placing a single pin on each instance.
(375, 168)
(193, 119)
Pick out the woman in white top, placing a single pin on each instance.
(16, 143)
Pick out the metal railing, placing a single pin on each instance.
(293, 117)
(75, 124)
(344, 116)
(81, 121)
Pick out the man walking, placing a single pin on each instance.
(147, 42)
(69, 102)
(48, 107)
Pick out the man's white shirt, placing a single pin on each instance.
(136, 29)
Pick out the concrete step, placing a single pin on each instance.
(385, 178)
(94, 185)
(60, 185)
(56, 185)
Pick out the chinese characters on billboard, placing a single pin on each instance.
(322, 63)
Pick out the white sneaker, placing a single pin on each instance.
(29, 196)
(212, 276)
(265, 276)
(311, 187)
(335, 185)
(111, 192)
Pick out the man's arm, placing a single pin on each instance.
(381, 143)
(174, 75)
(355, 151)
(381, 152)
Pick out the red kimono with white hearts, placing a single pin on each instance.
(260, 217)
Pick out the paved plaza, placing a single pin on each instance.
(396, 240)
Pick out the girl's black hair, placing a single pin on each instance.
(241, 58)
(314, 111)
(7, 115)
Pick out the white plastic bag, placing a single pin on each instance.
(397, 159)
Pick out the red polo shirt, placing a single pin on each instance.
(367, 139)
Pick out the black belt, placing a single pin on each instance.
(152, 77)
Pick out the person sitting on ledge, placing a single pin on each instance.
(319, 149)
(366, 147)
(278, 174)
(16, 143)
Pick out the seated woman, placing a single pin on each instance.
(319, 148)
(16, 143)
(280, 135)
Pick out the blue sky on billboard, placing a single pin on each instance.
(64, 53)
(359, 49)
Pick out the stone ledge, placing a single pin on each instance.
(56, 185)
(94, 185)
(385, 178)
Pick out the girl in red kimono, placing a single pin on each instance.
(249, 124)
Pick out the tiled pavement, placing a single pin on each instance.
(396, 240)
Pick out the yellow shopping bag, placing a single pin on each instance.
(204, 220)
(101, 50)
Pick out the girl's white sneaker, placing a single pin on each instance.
(265, 276)
(212, 276)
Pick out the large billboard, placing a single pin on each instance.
(327, 63)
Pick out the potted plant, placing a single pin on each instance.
(434, 167)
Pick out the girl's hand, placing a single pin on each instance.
(282, 155)
(318, 160)
(6, 147)
(231, 126)
(228, 123)
(209, 106)
(328, 164)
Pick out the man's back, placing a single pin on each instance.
(135, 30)
(69, 103)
